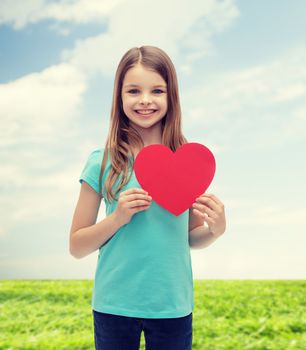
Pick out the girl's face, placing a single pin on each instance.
(144, 97)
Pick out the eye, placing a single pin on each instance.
(131, 91)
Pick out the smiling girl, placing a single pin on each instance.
(143, 280)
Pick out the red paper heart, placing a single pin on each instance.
(175, 180)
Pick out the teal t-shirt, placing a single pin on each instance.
(144, 270)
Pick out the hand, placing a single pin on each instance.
(211, 210)
(130, 202)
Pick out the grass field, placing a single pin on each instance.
(239, 315)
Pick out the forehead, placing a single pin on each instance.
(140, 75)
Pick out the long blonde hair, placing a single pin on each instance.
(121, 132)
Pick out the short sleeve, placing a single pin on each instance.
(91, 170)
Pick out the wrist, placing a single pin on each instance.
(117, 219)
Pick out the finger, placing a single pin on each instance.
(198, 212)
(215, 198)
(140, 208)
(209, 202)
(134, 190)
(144, 207)
(205, 217)
(205, 209)
(210, 221)
(139, 198)
(138, 203)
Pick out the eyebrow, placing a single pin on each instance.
(164, 86)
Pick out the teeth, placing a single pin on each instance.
(146, 111)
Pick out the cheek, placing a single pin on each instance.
(128, 102)
(165, 101)
(165, 105)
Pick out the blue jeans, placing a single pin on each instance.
(114, 332)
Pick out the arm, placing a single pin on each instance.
(86, 235)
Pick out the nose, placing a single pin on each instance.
(145, 99)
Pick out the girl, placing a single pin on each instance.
(143, 279)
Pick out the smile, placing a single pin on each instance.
(145, 111)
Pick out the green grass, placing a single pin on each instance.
(238, 315)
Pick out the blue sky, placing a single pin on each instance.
(242, 83)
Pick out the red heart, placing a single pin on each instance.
(175, 180)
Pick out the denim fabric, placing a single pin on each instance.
(114, 332)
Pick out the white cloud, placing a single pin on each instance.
(207, 263)
(210, 263)
(22, 13)
(53, 266)
(258, 86)
(130, 23)
(291, 92)
(272, 216)
(39, 112)
(79, 11)
(134, 23)
(42, 105)
(242, 100)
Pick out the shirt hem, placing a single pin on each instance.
(141, 314)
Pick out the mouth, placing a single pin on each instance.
(145, 112)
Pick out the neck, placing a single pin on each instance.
(149, 137)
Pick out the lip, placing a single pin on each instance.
(145, 109)
(146, 114)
